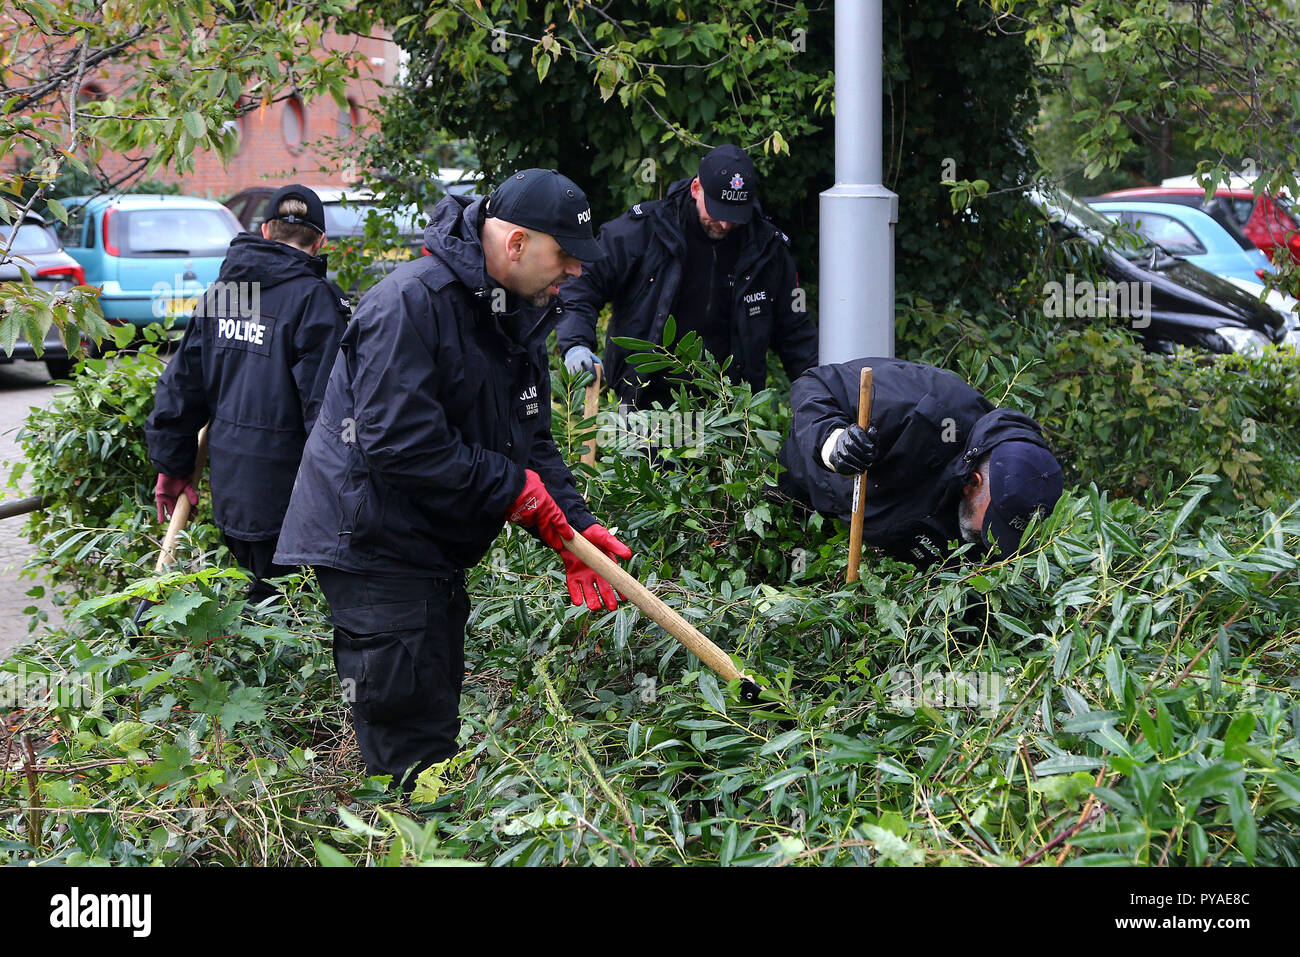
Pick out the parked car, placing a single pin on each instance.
(35, 247)
(1267, 221)
(1183, 304)
(1191, 235)
(345, 214)
(152, 256)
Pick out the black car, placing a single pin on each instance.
(1181, 304)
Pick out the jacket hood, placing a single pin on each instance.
(991, 430)
(452, 236)
(254, 259)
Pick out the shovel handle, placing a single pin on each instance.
(860, 483)
(654, 607)
(181, 513)
(590, 407)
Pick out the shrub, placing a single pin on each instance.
(1118, 693)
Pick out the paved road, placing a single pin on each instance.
(22, 385)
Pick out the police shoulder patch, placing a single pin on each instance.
(636, 210)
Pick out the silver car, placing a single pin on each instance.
(36, 248)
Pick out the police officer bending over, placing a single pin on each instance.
(706, 255)
(435, 431)
(942, 463)
(254, 360)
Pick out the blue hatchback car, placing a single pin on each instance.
(1191, 235)
(152, 256)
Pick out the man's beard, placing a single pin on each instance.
(970, 532)
(544, 296)
(713, 230)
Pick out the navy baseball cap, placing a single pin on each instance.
(729, 182)
(315, 217)
(1024, 478)
(551, 203)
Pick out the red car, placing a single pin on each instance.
(1268, 221)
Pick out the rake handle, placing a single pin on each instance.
(860, 483)
(654, 607)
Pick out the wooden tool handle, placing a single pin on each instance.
(181, 513)
(653, 606)
(589, 410)
(860, 483)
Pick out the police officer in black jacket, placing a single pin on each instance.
(706, 255)
(942, 463)
(435, 431)
(254, 361)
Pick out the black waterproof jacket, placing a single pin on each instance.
(641, 272)
(933, 430)
(435, 407)
(254, 361)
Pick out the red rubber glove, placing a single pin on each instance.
(168, 490)
(585, 586)
(534, 508)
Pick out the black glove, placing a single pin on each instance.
(855, 450)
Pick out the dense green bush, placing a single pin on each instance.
(1120, 692)
(86, 454)
(1132, 422)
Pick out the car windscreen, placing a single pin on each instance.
(173, 232)
(350, 220)
(31, 238)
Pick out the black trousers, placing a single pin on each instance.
(256, 557)
(399, 650)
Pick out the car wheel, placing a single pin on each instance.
(60, 368)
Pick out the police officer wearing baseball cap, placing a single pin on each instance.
(706, 255)
(254, 362)
(943, 464)
(434, 432)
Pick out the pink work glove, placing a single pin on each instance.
(534, 508)
(585, 586)
(168, 490)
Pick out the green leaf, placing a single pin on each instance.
(329, 856)
(194, 124)
(208, 693)
(711, 693)
(57, 208)
(782, 741)
(1243, 822)
(243, 707)
(1215, 779)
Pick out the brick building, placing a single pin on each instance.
(300, 141)
(313, 142)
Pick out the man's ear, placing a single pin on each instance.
(973, 483)
(516, 241)
(695, 187)
(266, 230)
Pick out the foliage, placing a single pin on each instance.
(1118, 693)
(641, 90)
(86, 455)
(1136, 73)
(173, 73)
(1133, 422)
